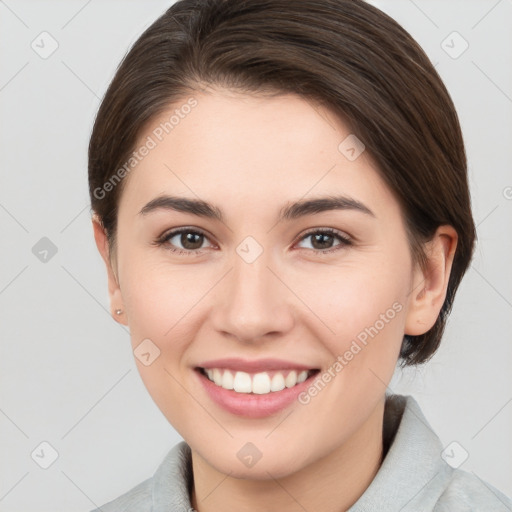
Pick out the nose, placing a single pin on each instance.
(253, 302)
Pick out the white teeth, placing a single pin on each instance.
(259, 383)
(217, 376)
(302, 376)
(277, 383)
(291, 379)
(227, 380)
(242, 383)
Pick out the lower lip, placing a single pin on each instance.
(252, 405)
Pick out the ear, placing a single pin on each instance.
(429, 285)
(114, 291)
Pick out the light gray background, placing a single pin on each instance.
(67, 373)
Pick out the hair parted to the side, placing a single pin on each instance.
(344, 54)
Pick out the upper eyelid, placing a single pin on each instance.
(331, 231)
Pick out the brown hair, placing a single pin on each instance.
(345, 54)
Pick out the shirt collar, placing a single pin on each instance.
(412, 475)
(172, 481)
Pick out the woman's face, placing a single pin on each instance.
(258, 280)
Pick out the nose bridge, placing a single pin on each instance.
(254, 301)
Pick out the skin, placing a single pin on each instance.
(250, 156)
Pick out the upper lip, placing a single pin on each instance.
(259, 365)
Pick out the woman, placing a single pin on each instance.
(280, 197)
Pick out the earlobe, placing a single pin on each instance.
(429, 285)
(114, 290)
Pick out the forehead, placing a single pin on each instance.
(250, 149)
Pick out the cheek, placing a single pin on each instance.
(160, 308)
(366, 311)
(353, 298)
(364, 308)
(156, 301)
(155, 294)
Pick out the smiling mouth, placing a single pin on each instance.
(260, 383)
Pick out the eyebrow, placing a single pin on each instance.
(289, 212)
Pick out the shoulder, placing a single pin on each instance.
(414, 475)
(168, 486)
(465, 491)
(138, 499)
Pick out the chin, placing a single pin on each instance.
(242, 460)
(262, 470)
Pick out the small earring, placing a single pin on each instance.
(119, 311)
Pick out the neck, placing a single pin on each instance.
(331, 484)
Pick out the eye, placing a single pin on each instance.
(190, 239)
(322, 240)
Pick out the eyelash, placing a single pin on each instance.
(164, 240)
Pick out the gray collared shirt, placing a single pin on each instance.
(413, 476)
